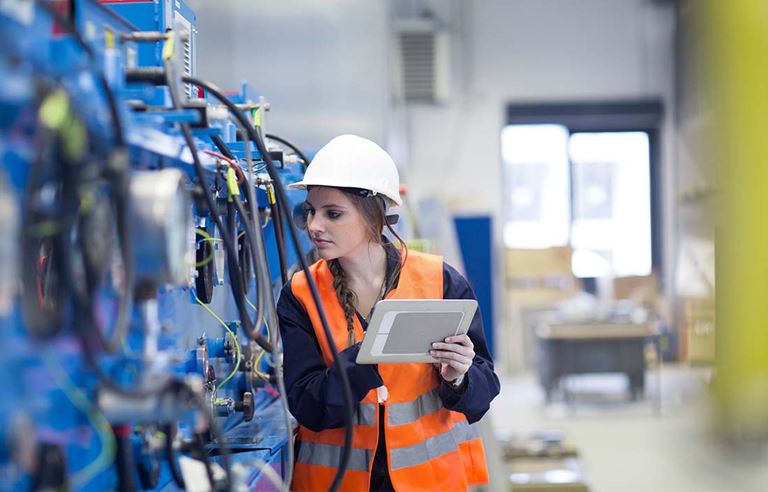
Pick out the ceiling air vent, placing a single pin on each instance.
(424, 59)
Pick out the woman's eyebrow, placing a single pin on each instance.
(329, 205)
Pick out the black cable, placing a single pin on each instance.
(246, 218)
(124, 461)
(223, 147)
(248, 233)
(281, 196)
(121, 192)
(235, 272)
(227, 152)
(93, 280)
(279, 225)
(276, 215)
(291, 146)
(170, 457)
(199, 444)
(42, 313)
(69, 177)
(117, 171)
(218, 437)
(68, 26)
(229, 243)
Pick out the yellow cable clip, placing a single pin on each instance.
(169, 46)
(232, 187)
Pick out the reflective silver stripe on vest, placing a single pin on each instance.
(465, 432)
(366, 414)
(411, 411)
(314, 453)
(433, 447)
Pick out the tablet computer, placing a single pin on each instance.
(404, 330)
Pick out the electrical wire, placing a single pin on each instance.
(52, 118)
(238, 293)
(291, 146)
(117, 172)
(229, 245)
(235, 342)
(349, 401)
(256, 240)
(232, 163)
(264, 319)
(258, 359)
(70, 28)
(267, 281)
(218, 436)
(222, 146)
(107, 453)
(277, 213)
(267, 304)
(206, 237)
(178, 479)
(203, 452)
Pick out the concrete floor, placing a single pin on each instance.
(657, 444)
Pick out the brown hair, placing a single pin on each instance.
(373, 210)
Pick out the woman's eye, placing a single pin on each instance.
(333, 214)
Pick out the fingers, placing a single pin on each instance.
(450, 370)
(455, 354)
(450, 356)
(463, 346)
(461, 340)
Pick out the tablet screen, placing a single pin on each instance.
(413, 333)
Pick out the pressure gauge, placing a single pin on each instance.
(161, 213)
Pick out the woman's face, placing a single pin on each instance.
(335, 226)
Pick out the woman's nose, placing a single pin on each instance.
(313, 224)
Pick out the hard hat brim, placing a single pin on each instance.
(303, 185)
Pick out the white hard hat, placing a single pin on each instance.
(349, 161)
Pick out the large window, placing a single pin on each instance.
(589, 190)
(611, 201)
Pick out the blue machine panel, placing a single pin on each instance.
(475, 234)
(65, 198)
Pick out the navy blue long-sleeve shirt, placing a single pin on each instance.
(315, 395)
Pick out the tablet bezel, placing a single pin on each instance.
(383, 308)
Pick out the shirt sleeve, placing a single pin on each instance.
(315, 394)
(480, 385)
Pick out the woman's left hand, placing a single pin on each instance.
(455, 356)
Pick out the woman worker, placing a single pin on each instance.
(413, 421)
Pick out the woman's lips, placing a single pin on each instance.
(320, 242)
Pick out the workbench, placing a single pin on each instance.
(601, 347)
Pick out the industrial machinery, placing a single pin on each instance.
(145, 230)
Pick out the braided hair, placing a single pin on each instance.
(373, 210)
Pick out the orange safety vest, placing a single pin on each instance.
(428, 446)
